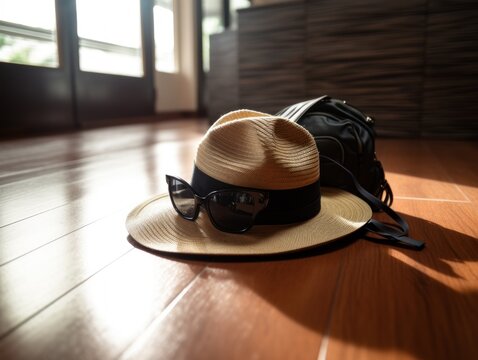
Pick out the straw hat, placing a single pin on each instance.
(253, 150)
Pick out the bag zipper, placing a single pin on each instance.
(356, 113)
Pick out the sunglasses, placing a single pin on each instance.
(230, 210)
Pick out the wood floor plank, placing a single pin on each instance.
(399, 303)
(103, 316)
(409, 304)
(32, 233)
(33, 281)
(67, 223)
(33, 196)
(95, 195)
(429, 178)
(458, 158)
(30, 154)
(269, 310)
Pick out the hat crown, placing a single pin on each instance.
(251, 149)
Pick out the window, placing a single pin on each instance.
(217, 15)
(235, 5)
(164, 35)
(28, 32)
(212, 23)
(112, 46)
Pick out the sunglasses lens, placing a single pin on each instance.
(232, 210)
(182, 197)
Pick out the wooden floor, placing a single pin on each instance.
(73, 287)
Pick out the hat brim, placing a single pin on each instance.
(156, 225)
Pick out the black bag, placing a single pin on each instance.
(346, 142)
(345, 135)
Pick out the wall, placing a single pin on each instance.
(412, 65)
(222, 79)
(178, 91)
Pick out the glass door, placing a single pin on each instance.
(113, 60)
(111, 46)
(65, 64)
(35, 91)
(28, 32)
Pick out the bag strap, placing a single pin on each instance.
(397, 233)
(385, 193)
(295, 112)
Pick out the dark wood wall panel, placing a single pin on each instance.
(410, 64)
(271, 57)
(223, 75)
(371, 57)
(450, 103)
